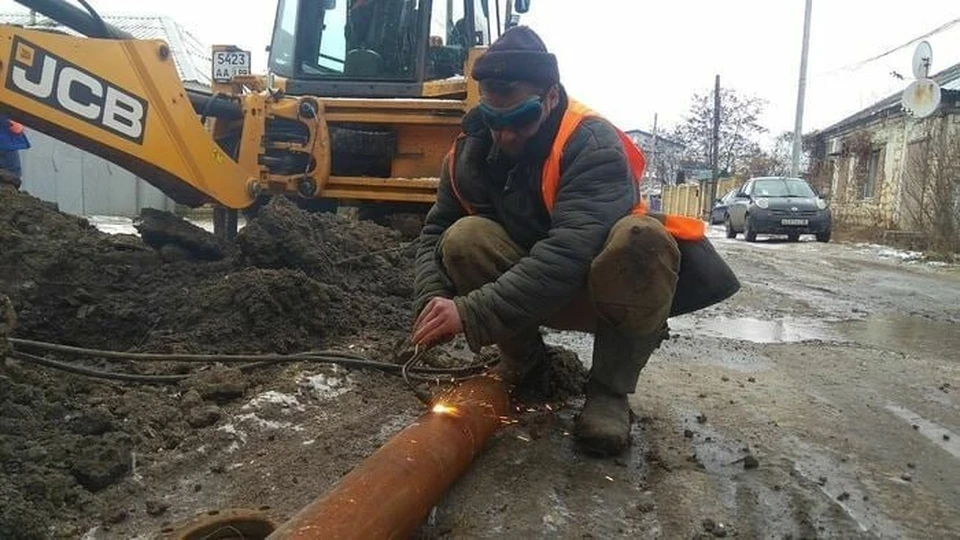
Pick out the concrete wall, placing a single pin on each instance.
(84, 184)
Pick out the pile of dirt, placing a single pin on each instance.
(292, 281)
(283, 287)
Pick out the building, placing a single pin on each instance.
(81, 183)
(885, 170)
(663, 156)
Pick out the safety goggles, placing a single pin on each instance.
(519, 117)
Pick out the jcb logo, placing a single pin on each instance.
(49, 79)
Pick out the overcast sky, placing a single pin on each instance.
(631, 59)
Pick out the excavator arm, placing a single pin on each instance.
(122, 100)
(366, 133)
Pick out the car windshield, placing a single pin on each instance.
(782, 187)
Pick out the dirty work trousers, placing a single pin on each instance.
(10, 168)
(625, 301)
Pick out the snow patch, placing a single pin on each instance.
(273, 397)
(113, 224)
(124, 225)
(324, 386)
(263, 423)
(888, 252)
(230, 429)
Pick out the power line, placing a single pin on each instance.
(861, 63)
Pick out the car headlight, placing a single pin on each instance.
(821, 204)
(763, 203)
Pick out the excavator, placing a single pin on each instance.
(361, 100)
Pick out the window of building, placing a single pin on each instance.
(874, 177)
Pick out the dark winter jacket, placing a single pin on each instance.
(595, 191)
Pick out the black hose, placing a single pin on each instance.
(328, 357)
(216, 105)
(208, 107)
(96, 17)
(91, 372)
(75, 18)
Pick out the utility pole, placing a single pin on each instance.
(802, 86)
(652, 166)
(709, 194)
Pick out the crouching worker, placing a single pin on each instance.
(538, 222)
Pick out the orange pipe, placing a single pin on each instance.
(391, 492)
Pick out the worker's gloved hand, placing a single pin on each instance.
(438, 322)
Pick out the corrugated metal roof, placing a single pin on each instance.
(191, 57)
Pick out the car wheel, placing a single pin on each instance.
(748, 233)
(823, 236)
(729, 226)
(793, 237)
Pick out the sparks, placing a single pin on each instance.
(441, 408)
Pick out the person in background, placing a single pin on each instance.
(12, 141)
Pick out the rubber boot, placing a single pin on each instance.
(603, 426)
(520, 356)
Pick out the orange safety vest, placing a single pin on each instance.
(680, 227)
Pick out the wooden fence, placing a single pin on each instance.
(687, 199)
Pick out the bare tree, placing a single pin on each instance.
(739, 129)
(930, 196)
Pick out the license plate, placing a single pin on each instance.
(794, 221)
(229, 64)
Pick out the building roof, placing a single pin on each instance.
(660, 138)
(191, 57)
(948, 79)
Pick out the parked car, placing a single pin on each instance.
(777, 205)
(719, 210)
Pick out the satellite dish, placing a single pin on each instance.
(922, 59)
(921, 98)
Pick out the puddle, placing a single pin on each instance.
(913, 334)
(755, 330)
(909, 334)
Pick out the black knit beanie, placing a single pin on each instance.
(518, 55)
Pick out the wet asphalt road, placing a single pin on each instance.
(823, 400)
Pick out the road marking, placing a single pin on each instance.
(930, 430)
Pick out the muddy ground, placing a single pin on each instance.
(821, 401)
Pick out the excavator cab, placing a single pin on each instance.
(374, 48)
